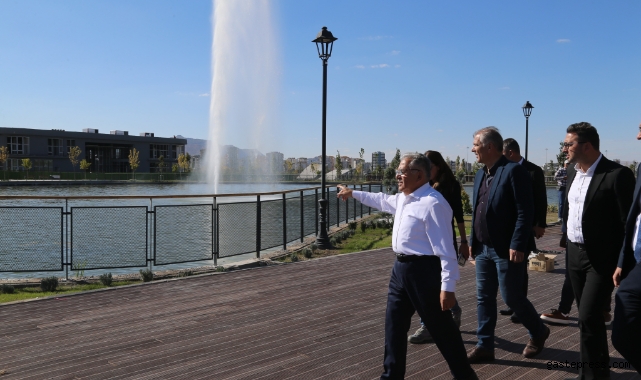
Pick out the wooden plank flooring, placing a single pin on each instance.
(318, 319)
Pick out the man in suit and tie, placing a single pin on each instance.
(502, 222)
(512, 151)
(626, 327)
(598, 198)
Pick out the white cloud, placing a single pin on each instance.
(360, 67)
(504, 88)
(204, 94)
(397, 66)
(381, 66)
(395, 52)
(563, 41)
(439, 130)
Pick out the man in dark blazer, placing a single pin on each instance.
(598, 198)
(512, 151)
(626, 327)
(501, 227)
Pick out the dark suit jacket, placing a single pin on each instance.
(509, 215)
(626, 257)
(606, 206)
(539, 192)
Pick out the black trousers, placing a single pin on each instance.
(416, 286)
(626, 326)
(591, 291)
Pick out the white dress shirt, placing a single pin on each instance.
(422, 226)
(576, 200)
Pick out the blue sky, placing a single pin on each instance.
(413, 75)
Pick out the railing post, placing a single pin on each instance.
(66, 239)
(338, 213)
(284, 223)
(354, 203)
(361, 203)
(302, 218)
(329, 211)
(346, 209)
(369, 209)
(316, 209)
(214, 231)
(258, 216)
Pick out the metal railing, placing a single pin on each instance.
(108, 232)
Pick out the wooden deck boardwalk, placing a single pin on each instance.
(317, 319)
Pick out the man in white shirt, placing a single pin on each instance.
(626, 327)
(599, 195)
(425, 272)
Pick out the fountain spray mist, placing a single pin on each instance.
(245, 78)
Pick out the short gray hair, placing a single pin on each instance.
(490, 135)
(420, 161)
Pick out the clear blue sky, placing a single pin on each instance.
(413, 75)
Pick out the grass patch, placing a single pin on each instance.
(366, 240)
(20, 294)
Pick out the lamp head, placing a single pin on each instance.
(324, 43)
(527, 109)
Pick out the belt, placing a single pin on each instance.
(579, 245)
(407, 258)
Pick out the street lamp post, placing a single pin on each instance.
(324, 44)
(527, 111)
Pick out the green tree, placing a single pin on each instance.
(26, 164)
(4, 155)
(312, 167)
(74, 153)
(161, 164)
(339, 165)
(389, 176)
(633, 167)
(175, 168)
(561, 157)
(134, 162)
(476, 166)
(359, 167)
(467, 205)
(84, 165)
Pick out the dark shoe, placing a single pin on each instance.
(535, 346)
(556, 317)
(515, 319)
(480, 355)
(507, 311)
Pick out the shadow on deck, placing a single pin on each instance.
(317, 319)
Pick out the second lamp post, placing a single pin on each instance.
(527, 111)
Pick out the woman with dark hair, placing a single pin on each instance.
(442, 180)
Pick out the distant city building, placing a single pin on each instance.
(48, 150)
(378, 160)
(275, 162)
(301, 164)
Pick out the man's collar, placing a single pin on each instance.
(420, 191)
(591, 169)
(521, 162)
(499, 162)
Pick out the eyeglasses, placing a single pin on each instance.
(567, 145)
(404, 173)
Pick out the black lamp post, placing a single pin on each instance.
(527, 111)
(324, 43)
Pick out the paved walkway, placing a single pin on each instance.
(318, 319)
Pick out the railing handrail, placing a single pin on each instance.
(62, 197)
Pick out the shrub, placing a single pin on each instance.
(553, 208)
(49, 284)
(307, 253)
(332, 241)
(221, 269)
(106, 279)
(352, 226)
(363, 226)
(337, 238)
(7, 289)
(294, 257)
(146, 275)
(185, 273)
(314, 247)
(372, 225)
(385, 215)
